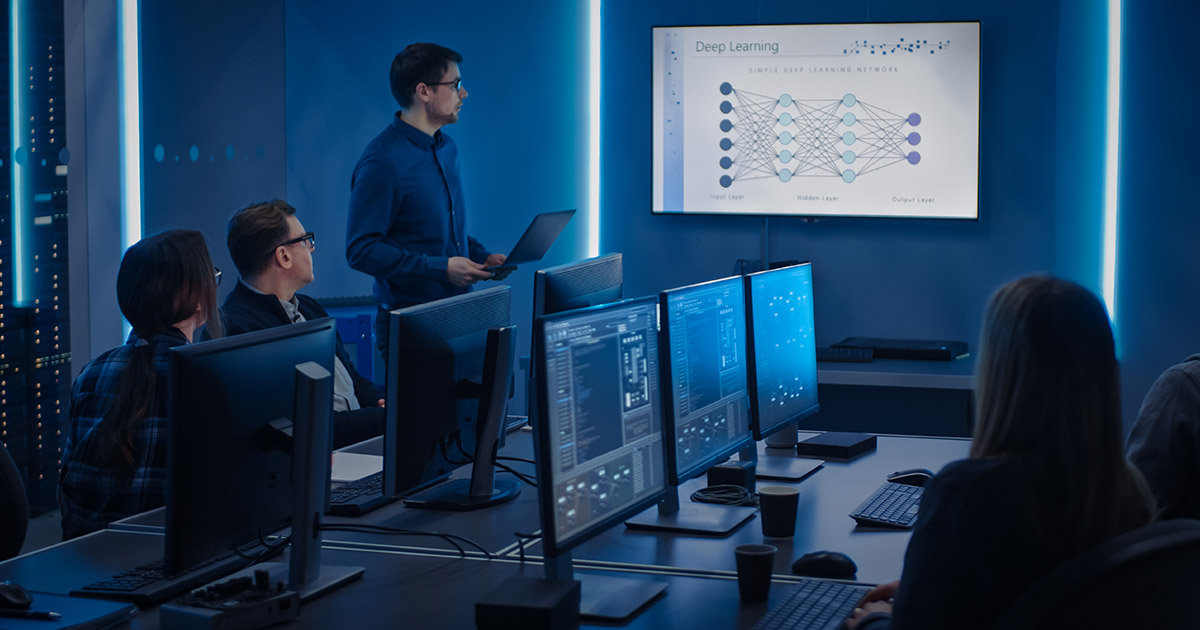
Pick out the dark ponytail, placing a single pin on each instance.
(161, 281)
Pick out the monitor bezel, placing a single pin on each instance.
(541, 441)
(667, 384)
(761, 433)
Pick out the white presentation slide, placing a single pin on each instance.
(872, 120)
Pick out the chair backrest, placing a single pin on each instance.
(1143, 578)
(14, 507)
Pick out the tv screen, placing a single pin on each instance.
(863, 120)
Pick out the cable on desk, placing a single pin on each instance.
(522, 538)
(527, 478)
(364, 528)
(516, 459)
(726, 494)
(446, 454)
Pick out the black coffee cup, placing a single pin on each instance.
(754, 565)
(777, 506)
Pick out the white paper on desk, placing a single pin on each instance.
(351, 466)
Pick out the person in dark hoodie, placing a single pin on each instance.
(1046, 478)
(273, 254)
(1165, 441)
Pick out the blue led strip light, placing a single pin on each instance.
(20, 131)
(593, 217)
(1108, 282)
(130, 79)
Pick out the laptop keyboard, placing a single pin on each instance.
(814, 605)
(892, 505)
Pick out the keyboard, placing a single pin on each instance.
(149, 585)
(892, 505)
(845, 355)
(814, 605)
(357, 497)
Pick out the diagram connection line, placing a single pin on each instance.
(781, 137)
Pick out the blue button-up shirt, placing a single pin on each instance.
(408, 215)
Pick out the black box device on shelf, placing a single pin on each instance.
(919, 349)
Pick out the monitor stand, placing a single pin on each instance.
(605, 597)
(704, 519)
(313, 414)
(482, 489)
(780, 467)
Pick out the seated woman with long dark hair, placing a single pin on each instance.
(115, 460)
(1046, 479)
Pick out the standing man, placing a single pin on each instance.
(408, 224)
(273, 254)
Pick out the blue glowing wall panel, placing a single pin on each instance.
(213, 114)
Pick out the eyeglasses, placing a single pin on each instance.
(457, 83)
(217, 274)
(308, 238)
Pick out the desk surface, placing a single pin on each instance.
(956, 374)
(422, 579)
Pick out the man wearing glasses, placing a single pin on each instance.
(407, 225)
(273, 254)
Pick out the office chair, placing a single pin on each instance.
(14, 507)
(1142, 578)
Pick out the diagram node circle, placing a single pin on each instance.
(726, 107)
(785, 119)
(726, 126)
(914, 138)
(726, 181)
(914, 119)
(726, 144)
(914, 158)
(849, 137)
(847, 176)
(726, 88)
(726, 162)
(849, 100)
(848, 157)
(785, 156)
(785, 100)
(785, 175)
(785, 137)
(849, 119)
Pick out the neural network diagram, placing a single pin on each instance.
(781, 137)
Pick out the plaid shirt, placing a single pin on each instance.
(93, 492)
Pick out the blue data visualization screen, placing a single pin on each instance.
(604, 415)
(785, 360)
(710, 406)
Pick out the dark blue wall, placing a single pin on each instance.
(872, 277)
(1158, 280)
(213, 78)
(299, 89)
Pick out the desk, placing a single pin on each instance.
(422, 581)
(905, 397)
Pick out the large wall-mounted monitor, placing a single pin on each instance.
(864, 120)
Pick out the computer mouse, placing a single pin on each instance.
(911, 477)
(14, 597)
(825, 564)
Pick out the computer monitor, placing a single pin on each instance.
(706, 403)
(449, 365)
(577, 285)
(601, 449)
(228, 483)
(783, 374)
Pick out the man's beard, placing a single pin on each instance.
(440, 118)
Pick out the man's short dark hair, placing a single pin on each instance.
(254, 232)
(419, 63)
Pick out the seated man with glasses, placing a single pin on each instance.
(273, 254)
